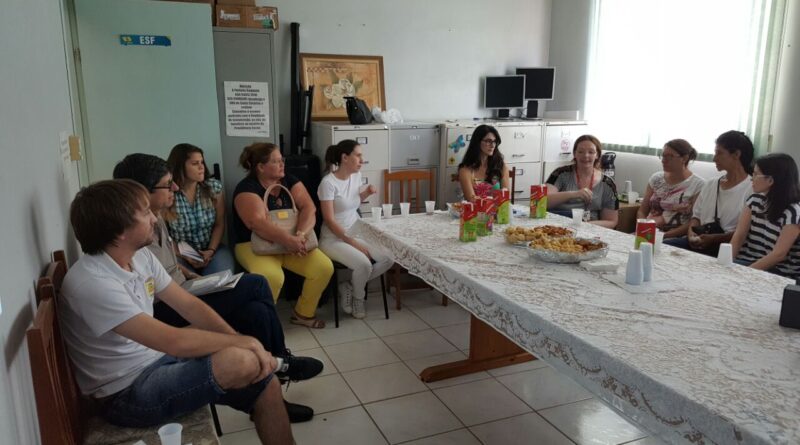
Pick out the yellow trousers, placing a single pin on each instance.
(315, 267)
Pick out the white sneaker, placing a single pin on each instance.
(346, 297)
(359, 308)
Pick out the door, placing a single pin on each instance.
(140, 95)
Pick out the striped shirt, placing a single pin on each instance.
(195, 221)
(763, 235)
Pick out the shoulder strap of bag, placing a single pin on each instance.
(716, 203)
(269, 189)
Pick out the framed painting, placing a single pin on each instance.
(337, 76)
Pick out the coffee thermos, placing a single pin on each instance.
(607, 163)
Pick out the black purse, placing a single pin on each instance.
(357, 111)
(714, 227)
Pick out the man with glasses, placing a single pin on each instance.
(248, 308)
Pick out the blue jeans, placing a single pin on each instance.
(172, 387)
(248, 308)
(222, 260)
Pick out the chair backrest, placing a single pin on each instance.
(410, 181)
(58, 401)
(513, 174)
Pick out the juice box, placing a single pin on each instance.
(539, 201)
(502, 203)
(645, 232)
(482, 219)
(468, 222)
(490, 209)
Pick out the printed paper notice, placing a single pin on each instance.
(246, 109)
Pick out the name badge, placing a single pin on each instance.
(150, 287)
(283, 215)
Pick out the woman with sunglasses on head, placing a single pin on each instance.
(766, 235)
(198, 213)
(483, 169)
(583, 186)
(671, 193)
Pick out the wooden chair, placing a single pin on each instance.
(409, 181)
(513, 174)
(65, 418)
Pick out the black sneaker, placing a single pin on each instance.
(298, 413)
(300, 368)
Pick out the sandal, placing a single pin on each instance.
(313, 323)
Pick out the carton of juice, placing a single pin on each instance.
(468, 222)
(490, 209)
(482, 219)
(645, 232)
(539, 201)
(502, 203)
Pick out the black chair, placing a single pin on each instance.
(335, 292)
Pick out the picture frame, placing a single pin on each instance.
(335, 76)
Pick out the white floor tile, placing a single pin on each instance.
(399, 322)
(457, 437)
(351, 426)
(520, 430)
(544, 388)
(412, 417)
(383, 382)
(513, 369)
(457, 334)
(420, 298)
(349, 330)
(247, 437)
(438, 316)
(418, 344)
(360, 354)
(591, 422)
(319, 354)
(231, 420)
(322, 394)
(418, 365)
(481, 401)
(299, 338)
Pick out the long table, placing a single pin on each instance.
(696, 356)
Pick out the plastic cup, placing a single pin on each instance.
(633, 272)
(387, 210)
(405, 208)
(577, 216)
(633, 197)
(170, 434)
(647, 261)
(725, 255)
(376, 215)
(429, 207)
(659, 241)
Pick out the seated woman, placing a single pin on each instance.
(482, 169)
(766, 235)
(583, 186)
(671, 193)
(716, 210)
(265, 165)
(340, 195)
(198, 214)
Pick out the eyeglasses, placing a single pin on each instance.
(277, 161)
(489, 141)
(668, 156)
(762, 176)
(169, 186)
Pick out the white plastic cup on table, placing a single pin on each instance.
(430, 206)
(577, 216)
(628, 187)
(170, 434)
(634, 273)
(387, 210)
(405, 208)
(376, 215)
(647, 261)
(725, 255)
(633, 197)
(659, 242)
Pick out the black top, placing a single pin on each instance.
(252, 185)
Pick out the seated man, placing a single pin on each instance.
(249, 308)
(140, 371)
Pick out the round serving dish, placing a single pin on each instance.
(553, 256)
(532, 232)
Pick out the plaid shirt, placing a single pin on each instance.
(194, 222)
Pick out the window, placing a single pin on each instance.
(661, 70)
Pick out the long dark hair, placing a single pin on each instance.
(334, 153)
(254, 154)
(472, 158)
(733, 141)
(785, 189)
(176, 162)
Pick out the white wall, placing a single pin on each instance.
(435, 53)
(34, 108)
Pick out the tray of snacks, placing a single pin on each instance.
(566, 249)
(521, 236)
(455, 209)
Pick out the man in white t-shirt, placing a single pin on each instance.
(141, 371)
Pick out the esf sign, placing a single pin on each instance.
(144, 40)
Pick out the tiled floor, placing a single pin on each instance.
(370, 393)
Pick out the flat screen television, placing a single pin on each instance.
(540, 84)
(504, 92)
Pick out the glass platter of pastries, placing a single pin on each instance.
(557, 246)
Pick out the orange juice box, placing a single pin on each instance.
(467, 230)
(645, 232)
(502, 202)
(482, 218)
(539, 201)
(490, 208)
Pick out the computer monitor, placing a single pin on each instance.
(504, 92)
(539, 85)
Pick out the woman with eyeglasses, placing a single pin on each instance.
(265, 166)
(197, 216)
(583, 186)
(767, 231)
(482, 169)
(671, 193)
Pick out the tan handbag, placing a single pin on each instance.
(285, 219)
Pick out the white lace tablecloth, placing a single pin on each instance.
(701, 360)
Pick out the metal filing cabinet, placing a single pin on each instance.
(414, 146)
